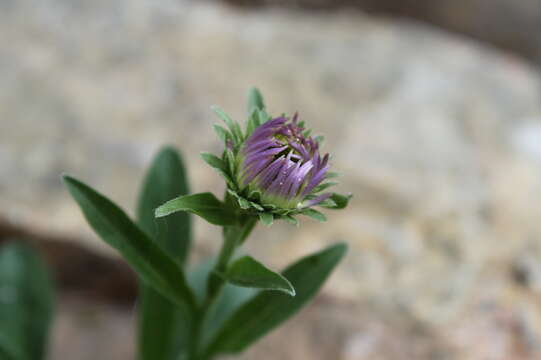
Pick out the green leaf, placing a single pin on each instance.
(146, 257)
(314, 214)
(205, 205)
(233, 126)
(266, 218)
(266, 311)
(26, 303)
(340, 201)
(162, 327)
(255, 100)
(248, 272)
(165, 179)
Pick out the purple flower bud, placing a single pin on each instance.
(282, 162)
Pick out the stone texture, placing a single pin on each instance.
(508, 24)
(437, 137)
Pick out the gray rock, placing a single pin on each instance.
(436, 136)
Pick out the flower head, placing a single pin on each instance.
(274, 169)
(283, 163)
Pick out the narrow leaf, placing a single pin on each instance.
(26, 304)
(162, 327)
(266, 311)
(248, 272)
(147, 258)
(205, 205)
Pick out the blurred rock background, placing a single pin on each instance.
(437, 134)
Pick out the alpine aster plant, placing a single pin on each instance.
(274, 170)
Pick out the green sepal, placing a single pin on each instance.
(336, 201)
(248, 272)
(233, 126)
(290, 219)
(243, 203)
(324, 186)
(256, 206)
(219, 166)
(314, 214)
(255, 100)
(222, 133)
(266, 218)
(205, 205)
(229, 158)
(331, 174)
(253, 122)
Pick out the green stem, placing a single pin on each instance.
(234, 236)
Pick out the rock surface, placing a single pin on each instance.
(509, 24)
(437, 137)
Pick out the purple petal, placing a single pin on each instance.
(269, 174)
(259, 145)
(315, 180)
(255, 169)
(284, 190)
(301, 175)
(263, 154)
(286, 168)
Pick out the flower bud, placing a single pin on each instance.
(274, 169)
(281, 162)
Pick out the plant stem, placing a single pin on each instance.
(233, 237)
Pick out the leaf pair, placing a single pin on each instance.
(267, 310)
